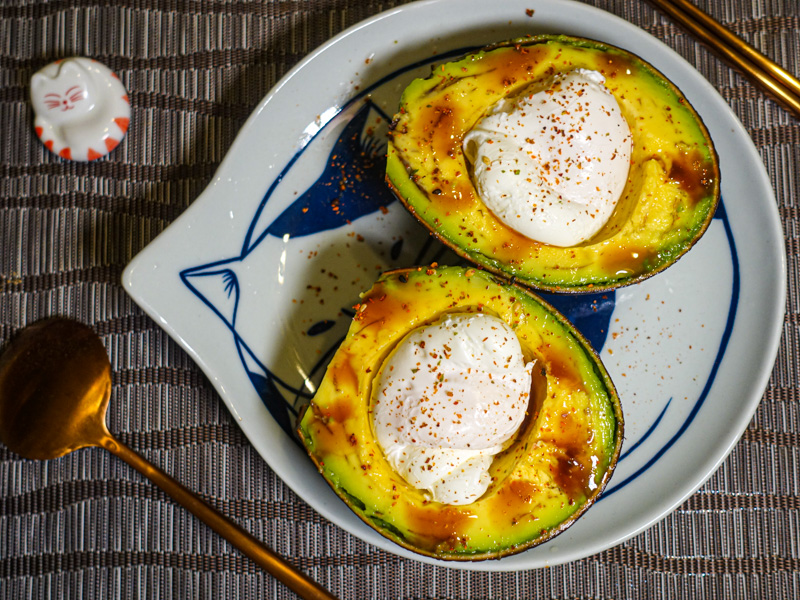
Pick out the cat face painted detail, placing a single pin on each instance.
(72, 96)
(82, 109)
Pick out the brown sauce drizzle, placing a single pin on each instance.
(439, 527)
(329, 435)
(344, 378)
(440, 123)
(339, 411)
(562, 370)
(626, 260)
(329, 421)
(617, 66)
(573, 469)
(502, 70)
(515, 246)
(375, 312)
(443, 127)
(378, 306)
(694, 174)
(572, 475)
(514, 499)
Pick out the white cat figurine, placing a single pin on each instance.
(82, 109)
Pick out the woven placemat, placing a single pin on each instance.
(87, 526)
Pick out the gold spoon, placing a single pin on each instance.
(55, 382)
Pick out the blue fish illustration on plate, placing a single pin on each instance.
(351, 185)
(360, 230)
(311, 248)
(332, 211)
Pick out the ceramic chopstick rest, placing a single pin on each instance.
(81, 108)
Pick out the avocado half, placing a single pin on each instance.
(561, 457)
(668, 201)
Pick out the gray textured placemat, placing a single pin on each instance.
(87, 526)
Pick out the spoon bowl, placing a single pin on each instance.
(55, 384)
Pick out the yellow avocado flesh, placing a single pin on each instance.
(668, 201)
(561, 457)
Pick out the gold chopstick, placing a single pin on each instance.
(765, 73)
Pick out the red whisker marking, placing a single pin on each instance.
(74, 87)
(52, 94)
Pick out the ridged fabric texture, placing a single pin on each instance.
(87, 526)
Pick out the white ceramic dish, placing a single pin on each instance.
(258, 290)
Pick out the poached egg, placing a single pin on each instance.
(551, 162)
(448, 398)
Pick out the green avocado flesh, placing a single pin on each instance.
(561, 457)
(668, 200)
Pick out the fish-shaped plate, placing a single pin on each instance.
(257, 279)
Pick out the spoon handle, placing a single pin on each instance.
(277, 566)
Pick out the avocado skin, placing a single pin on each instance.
(669, 199)
(562, 456)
